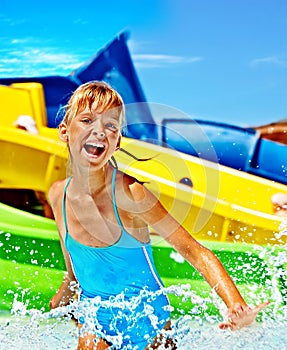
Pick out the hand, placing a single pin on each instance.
(57, 302)
(65, 294)
(240, 316)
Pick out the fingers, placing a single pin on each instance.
(226, 325)
(241, 316)
(261, 306)
(229, 324)
(238, 310)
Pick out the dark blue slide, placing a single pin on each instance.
(112, 64)
(230, 145)
(233, 146)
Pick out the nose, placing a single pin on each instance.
(99, 134)
(98, 129)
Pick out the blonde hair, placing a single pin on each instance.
(96, 95)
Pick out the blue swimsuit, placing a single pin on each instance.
(121, 284)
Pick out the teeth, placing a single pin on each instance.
(97, 145)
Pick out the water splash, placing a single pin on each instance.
(193, 328)
(282, 230)
(34, 329)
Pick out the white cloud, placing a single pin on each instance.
(31, 57)
(8, 21)
(153, 60)
(37, 62)
(20, 41)
(81, 21)
(274, 60)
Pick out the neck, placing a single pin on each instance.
(89, 181)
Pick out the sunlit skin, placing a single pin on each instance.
(92, 139)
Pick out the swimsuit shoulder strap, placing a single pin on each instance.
(126, 239)
(64, 204)
(114, 199)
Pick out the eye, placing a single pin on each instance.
(112, 126)
(86, 120)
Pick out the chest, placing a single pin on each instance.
(94, 222)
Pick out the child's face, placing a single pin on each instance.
(93, 136)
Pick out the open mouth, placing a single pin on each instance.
(94, 149)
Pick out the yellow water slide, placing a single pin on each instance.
(212, 201)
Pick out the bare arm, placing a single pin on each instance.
(203, 259)
(67, 290)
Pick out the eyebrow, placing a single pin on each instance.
(113, 115)
(85, 112)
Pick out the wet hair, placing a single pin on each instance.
(99, 96)
(94, 95)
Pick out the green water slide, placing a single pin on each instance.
(32, 267)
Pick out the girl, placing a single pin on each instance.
(103, 216)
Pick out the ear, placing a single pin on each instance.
(63, 132)
(119, 142)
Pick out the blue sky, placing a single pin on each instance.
(221, 60)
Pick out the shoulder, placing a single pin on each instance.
(129, 184)
(56, 191)
(134, 194)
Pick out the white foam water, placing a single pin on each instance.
(34, 330)
(24, 328)
(19, 332)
